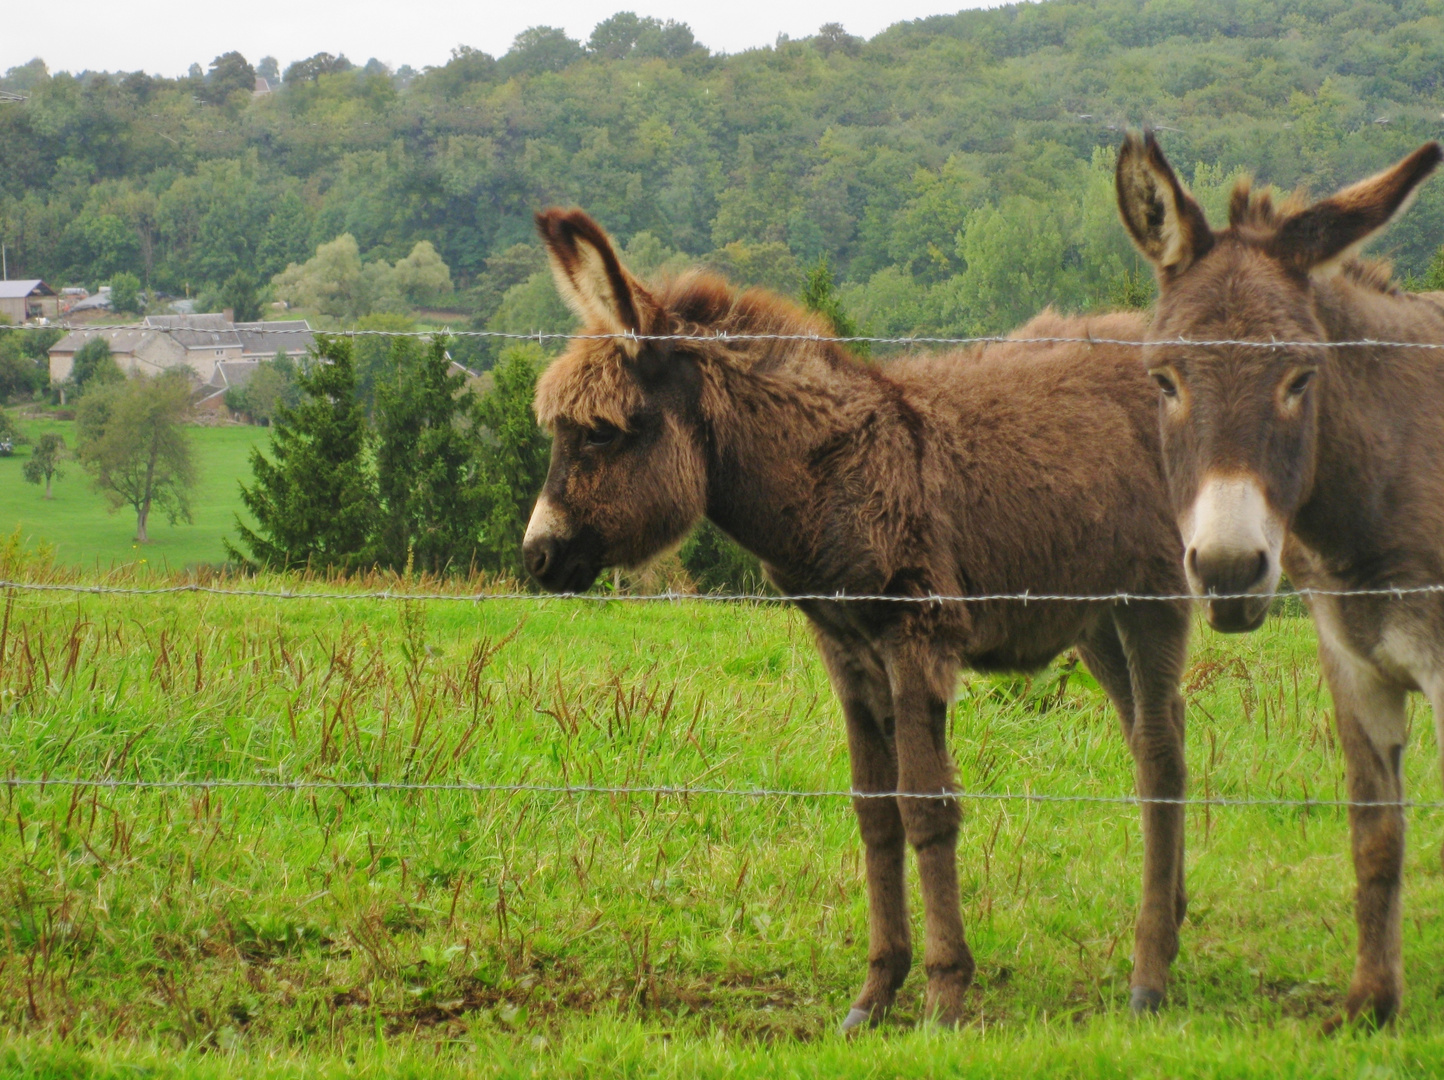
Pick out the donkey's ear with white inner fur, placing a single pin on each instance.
(1167, 226)
(590, 277)
(1335, 228)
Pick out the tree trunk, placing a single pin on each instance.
(141, 537)
(47, 484)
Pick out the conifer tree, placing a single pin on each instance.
(514, 461)
(426, 461)
(820, 295)
(313, 500)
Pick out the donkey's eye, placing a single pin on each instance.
(602, 435)
(1301, 382)
(1167, 385)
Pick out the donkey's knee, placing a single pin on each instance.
(879, 822)
(931, 822)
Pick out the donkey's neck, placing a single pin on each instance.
(772, 426)
(1376, 426)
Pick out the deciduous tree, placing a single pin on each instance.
(133, 444)
(125, 296)
(94, 363)
(44, 464)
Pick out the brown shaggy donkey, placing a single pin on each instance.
(1325, 462)
(1002, 470)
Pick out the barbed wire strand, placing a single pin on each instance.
(388, 595)
(545, 336)
(658, 790)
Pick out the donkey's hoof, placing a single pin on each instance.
(856, 1018)
(1145, 1000)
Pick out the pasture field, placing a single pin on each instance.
(351, 933)
(78, 523)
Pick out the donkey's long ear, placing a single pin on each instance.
(590, 277)
(1332, 230)
(1166, 224)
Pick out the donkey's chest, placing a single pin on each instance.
(1400, 636)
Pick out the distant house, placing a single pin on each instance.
(22, 301)
(214, 349)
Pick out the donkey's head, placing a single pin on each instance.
(628, 472)
(1240, 423)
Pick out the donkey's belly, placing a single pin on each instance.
(1021, 639)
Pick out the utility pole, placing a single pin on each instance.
(4, 265)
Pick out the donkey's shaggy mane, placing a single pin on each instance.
(595, 381)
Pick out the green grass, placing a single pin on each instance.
(446, 933)
(83, 531)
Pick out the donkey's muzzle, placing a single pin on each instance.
(1233, 544)
(1239, 579)
(563, 564)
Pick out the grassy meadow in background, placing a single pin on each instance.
(346, 932)
(78, 523)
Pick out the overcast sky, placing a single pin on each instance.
(164, 37)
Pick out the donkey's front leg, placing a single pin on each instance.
(1154, 640)
(861, 685)
(921, 685)
(1371, 718)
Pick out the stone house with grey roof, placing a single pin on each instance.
(218, 352)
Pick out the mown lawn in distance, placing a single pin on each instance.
(83, 531)
(473, 933)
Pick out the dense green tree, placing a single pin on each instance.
(25, 361)
(230, 73)
(125, 294)
(422, 278)
(312, 68)
(271, 388)
(241, 296)
(314, 499)
(513, 462)
(94, 364)
(426, 462)
(43, 466)
(538, 49)
(10, 431)
(286, 237)
(624, 35)
(132, 441)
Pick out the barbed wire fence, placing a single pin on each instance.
(544, 336)
(684, 791)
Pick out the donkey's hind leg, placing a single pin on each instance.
(1138, 656)
(861, 685)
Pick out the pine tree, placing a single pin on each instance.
(314, 500)
(513, 464)
(426, 462)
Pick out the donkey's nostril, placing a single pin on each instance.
(538, 555)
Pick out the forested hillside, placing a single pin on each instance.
(954, 171)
